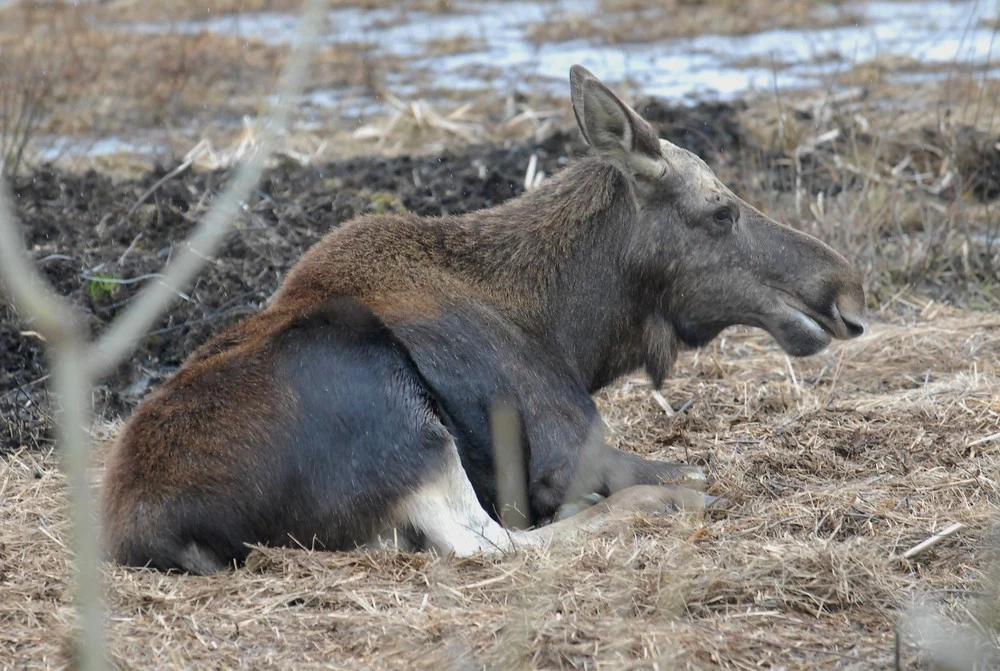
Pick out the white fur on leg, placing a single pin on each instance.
(451, 518)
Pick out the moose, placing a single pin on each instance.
(355, 406)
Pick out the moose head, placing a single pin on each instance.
(707, 257)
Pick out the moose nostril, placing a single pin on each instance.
(853, 323)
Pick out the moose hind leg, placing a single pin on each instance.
(449, 517)
(447, 513)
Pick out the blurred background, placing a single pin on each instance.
(122, 84)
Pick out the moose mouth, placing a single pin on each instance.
(802, 332)
(804, 335)
(798, 331)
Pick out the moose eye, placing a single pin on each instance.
(724, 215)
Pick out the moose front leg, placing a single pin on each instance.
(616, 471)
(624, 469)
(565, 481)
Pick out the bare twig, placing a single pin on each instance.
(209, 234)
(529, 175)
(984, 439)
(187, 163)
(932, 541)
(663, 403)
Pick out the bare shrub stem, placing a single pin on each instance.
(76, 364)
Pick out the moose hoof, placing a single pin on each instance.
(716, 502)
(692, 477)
(658, 499)
(568, 510)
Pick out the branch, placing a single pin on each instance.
(75, 364)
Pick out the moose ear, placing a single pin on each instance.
(608, 125)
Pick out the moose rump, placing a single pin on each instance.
(307, 426)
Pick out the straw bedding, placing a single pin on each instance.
(834, 466)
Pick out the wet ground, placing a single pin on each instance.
(377, 56)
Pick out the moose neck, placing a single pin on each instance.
(559, 256)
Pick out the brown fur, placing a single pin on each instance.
(225, 395)
(393, 261)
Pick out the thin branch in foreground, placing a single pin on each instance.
(75, 364)
(203, 242)
(509, 465)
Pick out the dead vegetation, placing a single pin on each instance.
(446, 46)
(428, 128)
(24, 98)
(81, 79)
(100, 82)
(624, 21)
(181, 10)
(835, 467)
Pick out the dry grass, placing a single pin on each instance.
(435, 6)
(176, 10)
(106, 80)
(24, 100)
(172, 91)
(99, 81)
(835, 465)
(446, 46)
(418, 126)
(624, 21)
(179, 10)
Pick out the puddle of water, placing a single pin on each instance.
(52, 148)
(934, 32)
(988, 241)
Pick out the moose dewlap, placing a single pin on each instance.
(356, 406)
